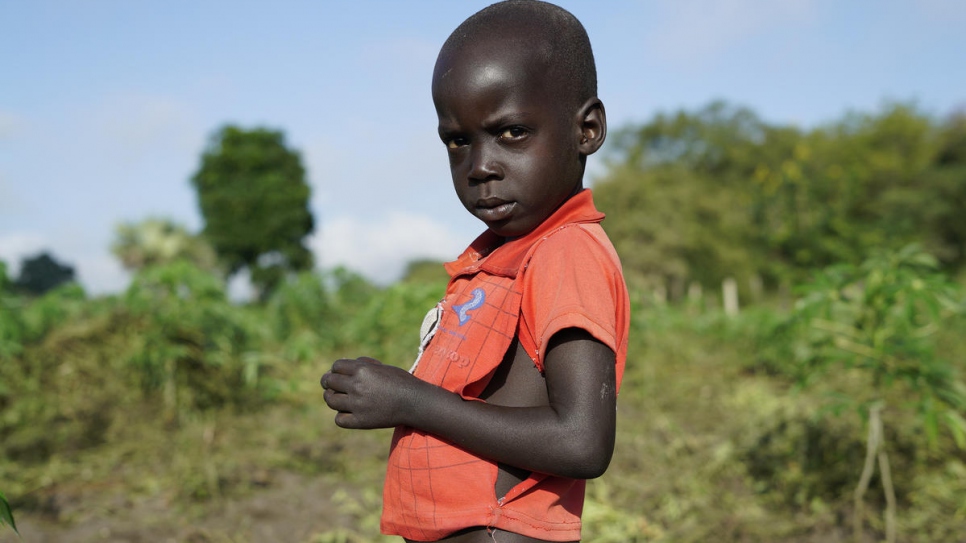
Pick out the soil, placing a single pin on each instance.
(288, 507)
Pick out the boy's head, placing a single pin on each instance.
(515, 90)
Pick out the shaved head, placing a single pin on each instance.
(555, 39)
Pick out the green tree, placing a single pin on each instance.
(6, 516)
(254, 199)
(699, 196)
(676, 196)
(42, 273)
(942, 216)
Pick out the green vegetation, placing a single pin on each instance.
(719, 192)
(170, 412)
(154, 242)
(875, 323)
(6, 516)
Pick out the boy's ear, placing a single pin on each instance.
(593, 126)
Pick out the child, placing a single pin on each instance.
(511, 403)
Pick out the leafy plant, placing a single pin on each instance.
(195, 347)
(6, 516)
(875, 322)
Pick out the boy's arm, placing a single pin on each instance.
(571, 437)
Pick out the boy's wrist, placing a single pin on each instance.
(410, 402)
(420, 402)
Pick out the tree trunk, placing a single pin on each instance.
(872, 446)
(890, 493)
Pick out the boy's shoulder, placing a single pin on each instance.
(573, 279)
(580, 247)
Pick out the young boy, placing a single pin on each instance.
(511, 403)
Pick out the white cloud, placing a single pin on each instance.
(100, 273)
(380, 248)
(14, 247)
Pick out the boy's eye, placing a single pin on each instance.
(453, 143)
(514, 132)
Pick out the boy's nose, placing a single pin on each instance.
(483, 165)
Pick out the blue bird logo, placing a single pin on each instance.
(463, 310)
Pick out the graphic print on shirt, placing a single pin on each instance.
(463, 310)
(478, 322)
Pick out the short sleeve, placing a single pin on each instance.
(573, 280)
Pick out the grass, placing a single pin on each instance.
(714, 444)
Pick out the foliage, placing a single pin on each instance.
(706, 450)
(41, 273)
(194, 346)
(942, 216)
(254, 199)
(153, 242)
(704, 195)
(4, 280)
(6, 515)
(424, 271)
(880, 319)
(673, 199)
(388, 326)
(10, 326)
(875, 322)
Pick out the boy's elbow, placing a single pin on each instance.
(591, 460)
(595, 467)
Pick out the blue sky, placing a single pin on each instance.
(106, 105)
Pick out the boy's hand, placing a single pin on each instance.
(368, 394)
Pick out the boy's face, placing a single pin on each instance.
(511, 135)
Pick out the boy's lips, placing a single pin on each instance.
(493, 209)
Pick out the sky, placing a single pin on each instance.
(107, 105)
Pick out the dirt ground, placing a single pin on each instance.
(288, 507)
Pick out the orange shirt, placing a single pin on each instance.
(564, 274)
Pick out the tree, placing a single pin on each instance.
(699, 196)
(943, 215)
(4, 280)
(153, 242)
(42, 273)
(675, 197)
(254, 199)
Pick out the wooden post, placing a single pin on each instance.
(729, 291)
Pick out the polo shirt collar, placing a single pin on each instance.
(504, 256)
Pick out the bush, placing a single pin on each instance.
(192, 344)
